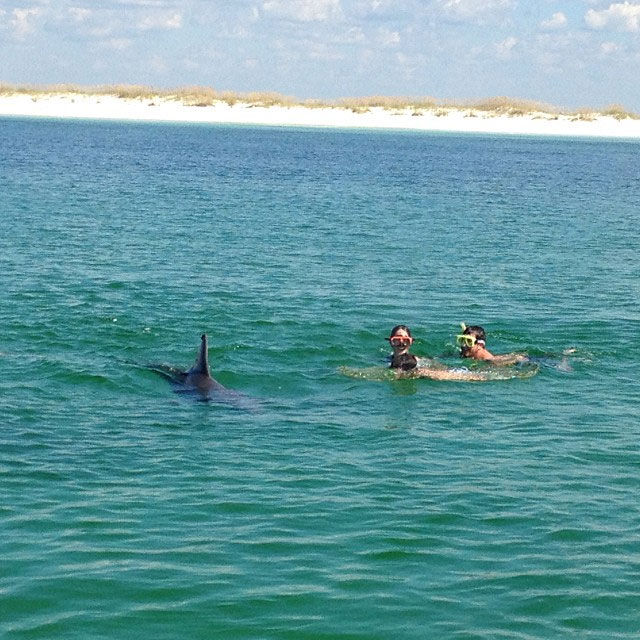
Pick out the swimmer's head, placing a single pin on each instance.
(469, 338)
(400, 337)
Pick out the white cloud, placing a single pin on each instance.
(354, 34)
(505, 47)
(303, 10)
(473, 9)
(116, 27)
(608, 48)
(160, 21)
(79, 14)
(388, 38)
(385, 9)
(618, 17)
(145, 3)
(556, 21)
(22, 21)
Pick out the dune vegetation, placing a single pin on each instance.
(198, 96)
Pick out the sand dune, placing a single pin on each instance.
(440, 119)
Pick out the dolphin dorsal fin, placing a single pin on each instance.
(202, 362)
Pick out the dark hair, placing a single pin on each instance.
(400, 327)
(477, 332)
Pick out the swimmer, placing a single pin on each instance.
(473, 341)
(400, 341)
(406, 363)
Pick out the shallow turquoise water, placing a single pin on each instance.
(339, 507)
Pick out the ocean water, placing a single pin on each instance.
(330, 506)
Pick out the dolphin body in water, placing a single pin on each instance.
(198, 380)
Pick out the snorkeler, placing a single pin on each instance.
(407, 364)
(400, 341)
(473, 344)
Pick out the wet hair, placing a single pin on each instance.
(400, 327)
(405, 361)
(478, 333)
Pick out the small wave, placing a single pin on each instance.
(77, 377)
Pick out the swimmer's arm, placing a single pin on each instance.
(481, 353)
(508, 358)
(447, 374)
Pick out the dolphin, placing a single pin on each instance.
(198, 380)
(199, 376)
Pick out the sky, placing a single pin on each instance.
(568, 53)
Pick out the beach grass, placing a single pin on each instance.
(201, 96)
(619, 112)
(389, 103)
(504, 105)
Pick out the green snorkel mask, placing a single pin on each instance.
(464, 339)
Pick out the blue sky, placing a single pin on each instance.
(569, 53)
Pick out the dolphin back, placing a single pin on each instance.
(201, 365)
(198, 379)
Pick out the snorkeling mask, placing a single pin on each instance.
(465, 339)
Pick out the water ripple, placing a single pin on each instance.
(348, 507)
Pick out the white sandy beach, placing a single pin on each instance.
(162, 109)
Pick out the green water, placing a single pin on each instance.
(331, 506)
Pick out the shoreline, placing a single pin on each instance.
(449, 120)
